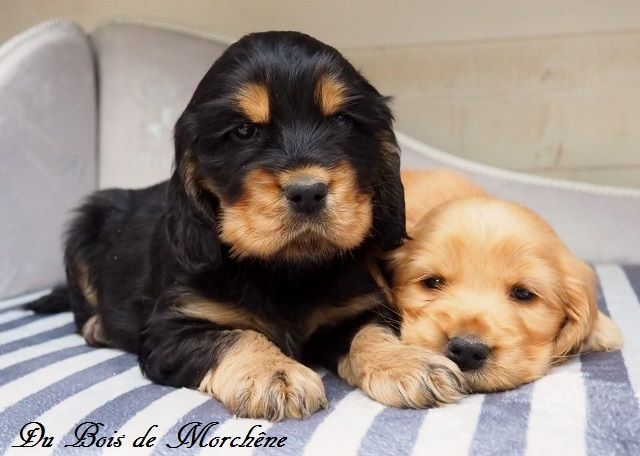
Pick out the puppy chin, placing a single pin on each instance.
(490, 379)
(311, 243)
(302, 243)
(308, 248)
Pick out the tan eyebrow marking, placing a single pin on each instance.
(253, 100)
(330, 94)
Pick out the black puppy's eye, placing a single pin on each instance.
(520, 293)
(434, 282)
(343, 119)
(245, 131)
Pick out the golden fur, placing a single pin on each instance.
(86, 287)
(429, 189)
(220, 314)
(260, 224)
(94, 333)
(256, 380)
(253, 100)
(397, 375)
(334, 315)
(482, 247)
(330, 95)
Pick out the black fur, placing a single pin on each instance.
(55, 302)
(147, 250)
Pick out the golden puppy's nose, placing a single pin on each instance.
(467, 352)
(308, 197)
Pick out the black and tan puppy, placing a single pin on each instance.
(252, 258)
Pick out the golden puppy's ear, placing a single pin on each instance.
(580, 305)
(394, 260)
(384, 269)
(604, 336)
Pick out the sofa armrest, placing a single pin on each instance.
(47, 149)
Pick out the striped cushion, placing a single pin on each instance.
(587, 405)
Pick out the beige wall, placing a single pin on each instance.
(550, 87)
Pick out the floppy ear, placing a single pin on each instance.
(391, 263)
(389, 218)
(585, 328)
(395, 259)
(190, 222)
(579, 302)
(604, 336)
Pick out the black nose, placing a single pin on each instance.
(307, 198)
(468, 353)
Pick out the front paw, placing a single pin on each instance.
(286, 390)
(413, 377)
(266, 385)
(397, 375)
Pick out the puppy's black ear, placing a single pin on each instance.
(389, 218)
(191, 222)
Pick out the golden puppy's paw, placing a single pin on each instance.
(265, 384)
(398, 375)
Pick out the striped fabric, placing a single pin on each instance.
(589, 405)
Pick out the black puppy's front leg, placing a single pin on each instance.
(239, 367)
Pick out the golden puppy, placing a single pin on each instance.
(489, 284)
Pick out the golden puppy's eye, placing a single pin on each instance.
(434, 282)
(520, 293)
(245, 131)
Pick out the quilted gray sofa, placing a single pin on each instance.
(80, 112)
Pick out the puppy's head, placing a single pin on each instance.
(285, 153)
(490, 285)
